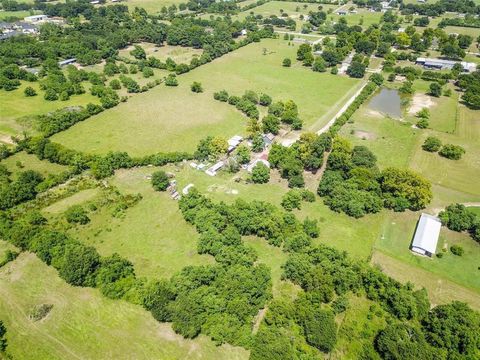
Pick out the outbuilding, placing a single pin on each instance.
(426, 235)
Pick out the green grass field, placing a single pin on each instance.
(22, 161)
(17, 14)
(169, 119)
(151, 6)
(178, 54)
(83, 324)
(15, 105)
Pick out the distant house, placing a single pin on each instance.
(212, 171)
(233, 142)
(243, 32)
(441, 64)
(426, 235)
(342, 12)
(66, 62)
(187, 188)
(35, 18)
(268, 139)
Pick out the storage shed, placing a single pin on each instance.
(426, 235)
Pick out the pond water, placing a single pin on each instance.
(388, 102)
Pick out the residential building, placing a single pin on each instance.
(426, 235)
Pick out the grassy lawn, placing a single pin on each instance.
(31, 162)
(440, 290)
(391, 140)
(151, 6)
(293, 9)
(14, 105)
(461, 175)
(169, 119)
(152, 234)
(178, 54)
(17, 14)
(83, 324)
(363, 17)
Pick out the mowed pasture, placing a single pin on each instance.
(83, 324)
(172, 119)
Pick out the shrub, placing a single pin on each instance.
(422, 123)
(29, 91)
(196, 87)
(171, 80)
(260, 173)
(452, 152)
(160, 180)
(287, 62)
(435, 89)
(76, 214)
(265, 100)
(432, 144)
(456, 250)
(221, 96)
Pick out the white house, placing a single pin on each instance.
(212, 171)
(35, 18)
(426, 235)
(187, 188)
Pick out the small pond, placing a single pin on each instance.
(387, 102)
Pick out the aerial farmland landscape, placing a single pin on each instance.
(240, 179)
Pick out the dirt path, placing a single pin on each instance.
(327, 126)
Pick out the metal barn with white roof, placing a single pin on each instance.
(426, 235)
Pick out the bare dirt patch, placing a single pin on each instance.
(365, 135)
(374, 113)
(420, 101)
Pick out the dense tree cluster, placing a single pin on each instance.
(457, 217)
(160, 180)
(23, 188)
(305, 154)
(353, 183)
(101, 166)
(470, 84)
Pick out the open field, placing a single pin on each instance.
(178, 54)
(151, 6)
(293, 9)
(152, 234)
(5, 15)
(440, 290)
(83, 324)
(169, 119)
(14, 105)
(363, 17)
(22, 162)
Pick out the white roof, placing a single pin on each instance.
(187, 188)
(426, 235)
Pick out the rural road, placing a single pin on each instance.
(342, 110)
